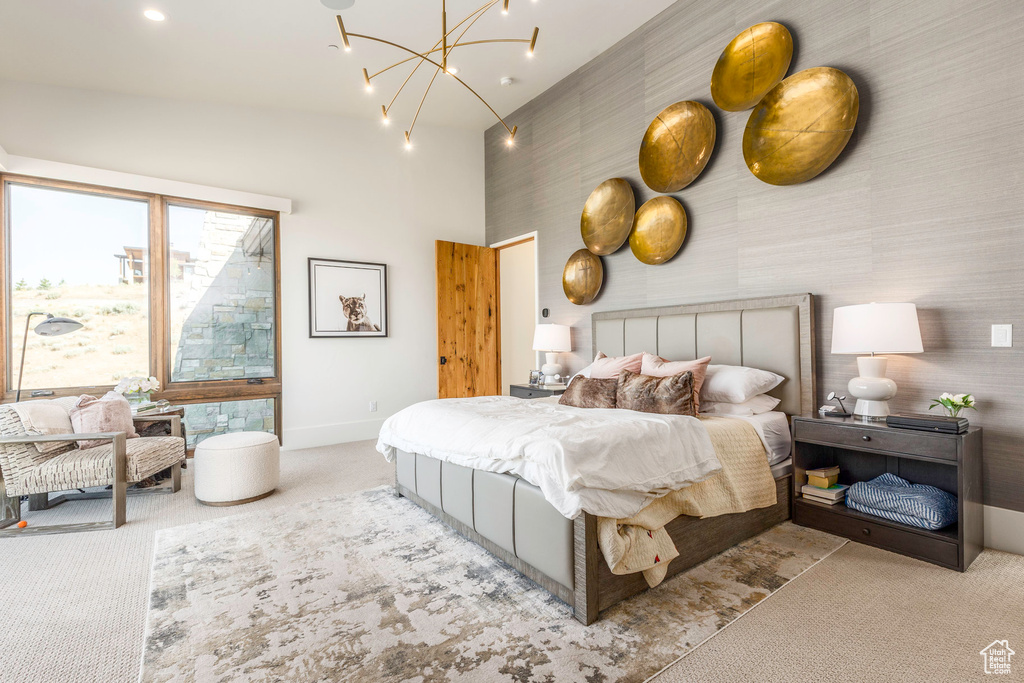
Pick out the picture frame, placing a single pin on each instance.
(347, 299)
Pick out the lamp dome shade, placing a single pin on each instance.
(552, 338)
(876, 328)
(54, 327)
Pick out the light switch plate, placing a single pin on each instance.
(1002, 335)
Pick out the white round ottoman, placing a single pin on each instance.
(236, 468)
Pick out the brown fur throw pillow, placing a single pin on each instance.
(665, 395)
(584, 392)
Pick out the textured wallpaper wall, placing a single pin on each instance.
(926, 204)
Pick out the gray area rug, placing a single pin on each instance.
(369, 587)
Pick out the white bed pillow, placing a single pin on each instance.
(736, 383)
(762, 403)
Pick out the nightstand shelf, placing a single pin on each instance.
(864, 450)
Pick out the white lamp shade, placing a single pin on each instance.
(552, 338)
(876, 328)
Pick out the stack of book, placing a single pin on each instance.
(823, 486)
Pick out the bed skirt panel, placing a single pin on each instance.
(508, 511)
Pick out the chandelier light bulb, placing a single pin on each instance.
(384, 114)
(504, 7)
(408, 142)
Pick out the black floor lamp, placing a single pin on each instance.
(51, 327)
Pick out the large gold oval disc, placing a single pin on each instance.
(801, 126)
(751, 65)
(658, 231)
(582, 277)
(677, 146)
(608, 216)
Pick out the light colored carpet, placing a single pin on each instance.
(369, 587)
(869, 615)
(73, 606)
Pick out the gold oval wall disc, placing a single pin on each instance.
(658, 231)
(582, 277)
(677, 146)
(751, 65)
(801, 126)
(608, 216)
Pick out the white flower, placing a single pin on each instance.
(946, 395)
(969, 398)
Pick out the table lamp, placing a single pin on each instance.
(552, 339)
(870, 329)
(51, 327)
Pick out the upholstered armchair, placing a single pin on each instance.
(25, 470)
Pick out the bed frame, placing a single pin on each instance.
(508, 517)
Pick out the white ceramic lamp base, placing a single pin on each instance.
(872, 389)
(551, 369)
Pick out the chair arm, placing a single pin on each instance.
(43, 438)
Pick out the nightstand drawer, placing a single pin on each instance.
(868, 439)
(523, 392)
(880, 535)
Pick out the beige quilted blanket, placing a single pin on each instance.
(641, 543)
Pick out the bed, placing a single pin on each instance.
(511, 517)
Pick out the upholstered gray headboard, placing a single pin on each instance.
(772, 333)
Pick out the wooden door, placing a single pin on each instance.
(467, 321)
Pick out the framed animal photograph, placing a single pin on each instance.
(347, 298)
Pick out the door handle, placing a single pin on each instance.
(444, 361)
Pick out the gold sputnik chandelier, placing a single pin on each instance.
(444, 46)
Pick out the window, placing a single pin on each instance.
(82, 256)
(222, 294)
(183, 290)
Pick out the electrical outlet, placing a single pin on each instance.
(1002, 335)
(373, 406)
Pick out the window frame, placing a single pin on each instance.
(198, 391)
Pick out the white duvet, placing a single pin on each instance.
(609, 463)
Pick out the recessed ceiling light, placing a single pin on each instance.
(154, 15)
(337, 5)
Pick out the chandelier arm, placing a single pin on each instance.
(446, 51)
(431, 61)
(450, 48)
(436, 47)
(422, 100)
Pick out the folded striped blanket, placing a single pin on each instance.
(890, 497)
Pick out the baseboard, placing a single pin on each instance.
(326, 435)
(1004, 530)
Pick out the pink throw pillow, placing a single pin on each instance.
(605, 367)
(656, 366)
(112, 413)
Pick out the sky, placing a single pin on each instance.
(72, 236)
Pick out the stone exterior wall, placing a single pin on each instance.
(227, 331)
(210, 419)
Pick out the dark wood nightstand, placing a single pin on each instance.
(863, 450)
(527, 391)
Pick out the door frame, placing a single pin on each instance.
(532, 236)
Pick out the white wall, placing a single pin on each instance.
(517, 280)
(357, 194)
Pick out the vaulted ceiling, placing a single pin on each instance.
(276, 53)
